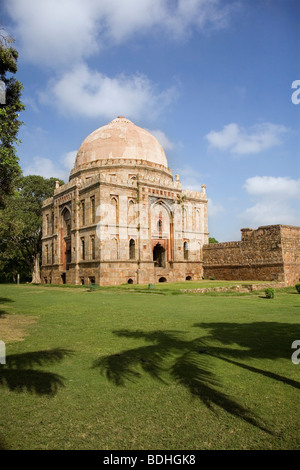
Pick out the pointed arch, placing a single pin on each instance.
(186, 250)
(114, 252)
(131, 248)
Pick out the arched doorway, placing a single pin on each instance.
(159, 256)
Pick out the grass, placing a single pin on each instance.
(123, 368)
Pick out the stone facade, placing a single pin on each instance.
(270, 253)
(122, 218)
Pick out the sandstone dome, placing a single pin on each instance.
(120, 139)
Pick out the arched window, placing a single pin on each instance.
(199, 251)
(130, 212)
(159, 227)
(186, 250)
(47, 224)
(82, 249)
(114, 211)
(132, 249)
(66, 238)
(93, 251)
(114, 253)
(197, 220)
(184, 216)
(66, 223)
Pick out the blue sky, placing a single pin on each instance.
(211, 79)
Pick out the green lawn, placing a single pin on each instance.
(137, 368)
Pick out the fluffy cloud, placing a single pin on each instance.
(189, 178)
(63, 34)
(47, 168)
(278, 201)
(279, 188)
(240, 141)
(54, 32)
(214, 208)
(162, 139)
(86, 92)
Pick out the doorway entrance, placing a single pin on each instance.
(159, 256)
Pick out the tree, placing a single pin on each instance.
(10, 107)
(212, 240)
(21, 228)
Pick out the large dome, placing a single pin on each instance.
(120, 139)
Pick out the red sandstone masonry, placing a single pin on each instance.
(270, 253)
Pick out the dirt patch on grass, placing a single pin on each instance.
(14, 327)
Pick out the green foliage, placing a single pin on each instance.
(21, 227)
(9, 119)
(270, 292)
(212, 240)
(298, 287)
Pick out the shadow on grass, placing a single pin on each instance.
(19, 375)
(5, 300)
(192, 363)
(2, 444)
(2, 301)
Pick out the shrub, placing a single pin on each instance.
(213, 278)
(298, 287)
(270, 292)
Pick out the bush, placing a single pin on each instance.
(298, 287)
(270, 292)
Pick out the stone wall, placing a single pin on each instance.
(270, 253)
(291, 253)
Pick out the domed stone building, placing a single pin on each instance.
(122, 218)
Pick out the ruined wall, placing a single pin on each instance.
(258, 256)
(291, 253)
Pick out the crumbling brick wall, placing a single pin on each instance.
(291, 253)
(270, 253)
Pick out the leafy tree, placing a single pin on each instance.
(212, 240)
(21, 228)
(10, 107)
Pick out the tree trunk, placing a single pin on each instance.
(36, 274)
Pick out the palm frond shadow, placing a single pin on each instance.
(188, 363)
(2, 444)
(5, 300)
(2, 301)
(19, 374)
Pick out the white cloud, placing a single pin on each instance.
(48, 168)
(270, 213)
(54, 32)
(162, 139)
(86, 92)
(278, 201)
(68, 160)
(279, 188)
(189, 178)
(214, 208)
(240, 141)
